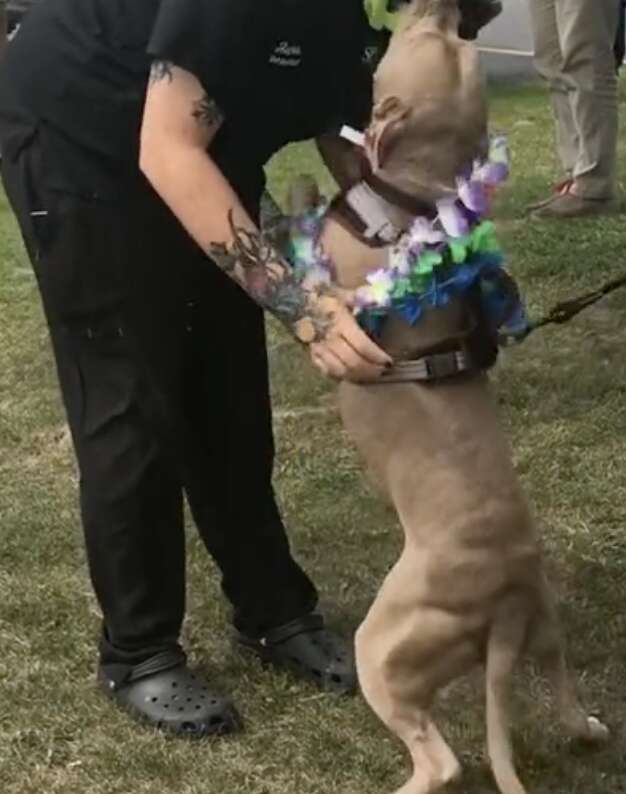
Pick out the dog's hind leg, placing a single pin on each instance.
(399, 675)
(505, 645)
(548, 647)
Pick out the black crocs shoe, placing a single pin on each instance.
(165, 693)
(309, 650)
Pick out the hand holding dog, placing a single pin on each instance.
(346, 352)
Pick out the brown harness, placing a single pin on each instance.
(363, 211)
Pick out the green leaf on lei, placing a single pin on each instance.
(427, 262)
(459, 247)
(419, 282)
(483, 238)
(401, 288)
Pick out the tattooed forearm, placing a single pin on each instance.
(161, 70)
(206, 112)
(270, 210)
(275, 225)
(256, 266)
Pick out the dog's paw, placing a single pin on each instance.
(598, 731)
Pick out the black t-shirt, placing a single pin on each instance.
(280, 70)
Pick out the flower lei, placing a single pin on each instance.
(434, 261)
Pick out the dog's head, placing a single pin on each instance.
(429, 119)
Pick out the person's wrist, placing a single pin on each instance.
(321, 314)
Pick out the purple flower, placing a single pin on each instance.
(401, 256)
(452, 218)
(308, 224)
(381, 284)
(423, 233)
(473, 195)
(492, 173)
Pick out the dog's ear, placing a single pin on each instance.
(388, 119)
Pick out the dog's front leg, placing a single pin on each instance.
(434, 763)
(400, 671)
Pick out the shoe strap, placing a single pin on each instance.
(159, 663)
(303, 625)
(119, 675)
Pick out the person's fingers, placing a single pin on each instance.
(318, 361)
(346, 353)
(328, 361)
(345, 326)
(360, 342)
(338, 360)
(364, 373)
(346, 296)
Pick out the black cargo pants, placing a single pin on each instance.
(163, 370)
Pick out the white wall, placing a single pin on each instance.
(507, 44)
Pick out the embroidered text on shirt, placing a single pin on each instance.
(286, 54)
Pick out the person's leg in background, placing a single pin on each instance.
(587, 30)
(4, 27)
(549, 64)
(122, 411)
(229, 487)
(4, 32)
(620, 40)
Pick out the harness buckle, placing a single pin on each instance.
(445, 365)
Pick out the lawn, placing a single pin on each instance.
(563, 401)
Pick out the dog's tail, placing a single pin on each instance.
(505, 645)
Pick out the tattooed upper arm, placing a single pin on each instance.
(177, 105)
(161, 70)
(207, 112)
(178, 111)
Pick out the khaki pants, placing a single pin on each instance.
(574, 42)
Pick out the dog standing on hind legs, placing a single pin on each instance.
(469, 587)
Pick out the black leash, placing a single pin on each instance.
(565, 311)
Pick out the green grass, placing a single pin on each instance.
(563, 397)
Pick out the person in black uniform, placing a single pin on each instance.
(134, 136)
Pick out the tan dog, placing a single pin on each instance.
(469, 587)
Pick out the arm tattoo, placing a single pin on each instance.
(256, 266)
(275, 225)
(206, 112)
(270, 210)
(161, 70)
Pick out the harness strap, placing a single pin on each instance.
(433, 367)
(365, 217)
(367, 207)
(366, 210)
(395, 197)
